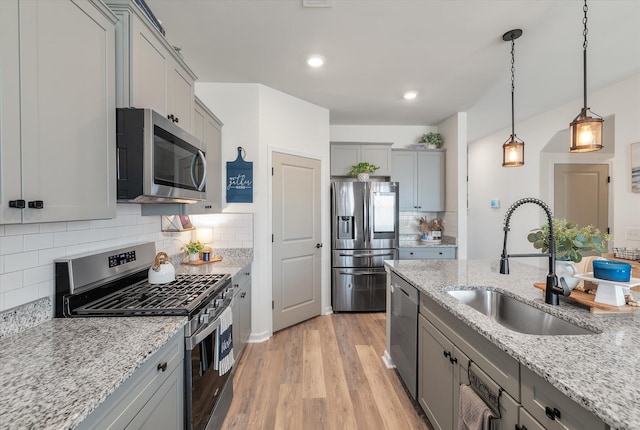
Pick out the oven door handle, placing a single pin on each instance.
(201, 335)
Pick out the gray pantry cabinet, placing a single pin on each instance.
(241, 310)
(149, 72)
(57, 110)
(420, 174)
(344, 155)
(447, 348)
(152, 398)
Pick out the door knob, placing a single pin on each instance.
(318, 245)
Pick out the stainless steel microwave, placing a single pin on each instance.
(157, 161)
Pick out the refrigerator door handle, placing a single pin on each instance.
(361, 273)
(368, 255)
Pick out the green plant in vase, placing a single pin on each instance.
(362, 170)
(433, 140)
(194, 249)
(571, 240)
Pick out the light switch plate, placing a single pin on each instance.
(633, 234)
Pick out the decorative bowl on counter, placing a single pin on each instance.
(612, 270)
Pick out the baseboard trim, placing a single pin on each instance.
(258, 337)
(388, 362)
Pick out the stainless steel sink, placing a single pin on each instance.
(516, 315)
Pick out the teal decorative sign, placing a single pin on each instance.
(239, 180)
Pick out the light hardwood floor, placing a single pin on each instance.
(325, 373)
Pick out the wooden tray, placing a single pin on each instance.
(589, 300)
(201, 262)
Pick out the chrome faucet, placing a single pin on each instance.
(552, 290)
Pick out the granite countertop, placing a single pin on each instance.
(599, 371)
(53, 375)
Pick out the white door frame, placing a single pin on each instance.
(325, 227)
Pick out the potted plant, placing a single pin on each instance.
(362, 170)
(194, 249)
(433, 140)
(571, 242)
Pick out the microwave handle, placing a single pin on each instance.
(200, 185)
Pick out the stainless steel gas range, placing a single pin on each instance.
(114, 284)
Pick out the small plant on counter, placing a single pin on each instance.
(194, 247)
(571, 240)
(431, 138)
(363, 167)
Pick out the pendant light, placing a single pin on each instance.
(586, 131)
(513, 148)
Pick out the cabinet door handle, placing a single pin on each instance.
(36, 204)
(552, 413)
(447, 354)
(162, 366)
(453, 360)
(519, 427)
(318, 245)
(18, 204)
(242, 296)
(170, 117)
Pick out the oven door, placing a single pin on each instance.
(208, 394)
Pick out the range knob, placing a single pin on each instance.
(204, 318)
(218, 303)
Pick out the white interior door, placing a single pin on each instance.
(581, 194)
(296, 240)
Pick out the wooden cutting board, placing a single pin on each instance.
(589, 300)
(200, 262)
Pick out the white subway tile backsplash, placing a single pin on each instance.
(11, 244)
(10, 281)
(34, 242)
(53, 227)
(78, 225)
(38, 275)
(21, 261)
(66, 238)
(20, 296)
(20, 229)
(27, 251)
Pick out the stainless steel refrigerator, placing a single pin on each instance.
(364, 230)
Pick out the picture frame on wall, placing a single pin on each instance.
(635, 167)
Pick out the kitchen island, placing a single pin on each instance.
(597, 371)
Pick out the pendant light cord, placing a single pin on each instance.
(584, 53)
(513, 87)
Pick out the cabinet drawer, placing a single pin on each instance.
(240, 278)
(498, 365)
(540, 397)
(426, 253)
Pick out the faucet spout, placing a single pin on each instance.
(552, 289)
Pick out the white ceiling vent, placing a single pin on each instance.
(317, 3)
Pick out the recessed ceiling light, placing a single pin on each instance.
(410, 95)
(315, 61)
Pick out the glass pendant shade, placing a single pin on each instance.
(586, 133)
(513, 152)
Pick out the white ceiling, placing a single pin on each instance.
(450, 51)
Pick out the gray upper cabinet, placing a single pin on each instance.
(421, 178)
(57, 137)
(208, 128)
(345, 155)
(149, 73)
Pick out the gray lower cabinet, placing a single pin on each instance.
(152, 398)
(551, 408)
(448, 349)
(241, 310)
(431, 253)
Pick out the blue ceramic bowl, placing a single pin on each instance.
(612, 270)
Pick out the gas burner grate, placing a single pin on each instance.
(179, 297)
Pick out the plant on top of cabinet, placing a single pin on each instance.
(433, 140)
(362, 170)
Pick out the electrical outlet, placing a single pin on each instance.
(633, 234)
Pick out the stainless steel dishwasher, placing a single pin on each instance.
(404, 331)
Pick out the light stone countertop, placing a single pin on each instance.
(53, 375)
(420, 244)
(601, 372)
